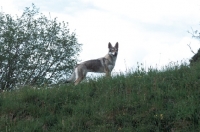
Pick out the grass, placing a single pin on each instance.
(157, 100)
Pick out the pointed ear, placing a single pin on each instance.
(109, 45)
(116, 45)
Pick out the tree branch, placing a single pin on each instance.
(190, 48)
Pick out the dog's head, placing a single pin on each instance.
(113, 50)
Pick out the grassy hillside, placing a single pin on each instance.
(166, 100)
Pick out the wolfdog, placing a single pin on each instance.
(101, 65)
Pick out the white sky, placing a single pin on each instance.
(152, 32)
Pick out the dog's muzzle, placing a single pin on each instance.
(113, 53)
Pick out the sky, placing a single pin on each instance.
(151, 32)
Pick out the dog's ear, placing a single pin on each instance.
(116, 45)
(109, 45)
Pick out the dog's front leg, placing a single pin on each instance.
(108, 74)
(107, 71)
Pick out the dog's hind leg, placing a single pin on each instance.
(78, 80)
(80, 75)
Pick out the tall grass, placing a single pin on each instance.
(152, 100)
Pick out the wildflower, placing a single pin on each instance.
(161, 116)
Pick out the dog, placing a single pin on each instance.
(100, 65)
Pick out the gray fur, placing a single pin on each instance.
(101, 65)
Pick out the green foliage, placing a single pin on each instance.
(153, 100)
(35, 50)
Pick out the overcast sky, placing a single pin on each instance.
(152, 32)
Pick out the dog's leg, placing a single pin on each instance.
(107, 72)
(78, 80)
(80, 75)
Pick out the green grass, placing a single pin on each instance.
(154, 101)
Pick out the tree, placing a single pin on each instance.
(35, 50)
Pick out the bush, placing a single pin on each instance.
(35, 50)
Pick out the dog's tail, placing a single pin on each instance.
(71, 79)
